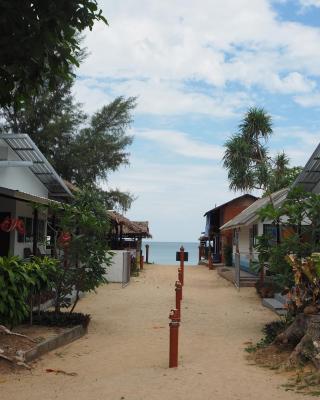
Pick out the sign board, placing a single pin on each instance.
(186, 256)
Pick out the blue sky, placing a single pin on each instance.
(196, 66)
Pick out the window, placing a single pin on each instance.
(235, 237)
(253, 236)
(27, 236)
(271, 231)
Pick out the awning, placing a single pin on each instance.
(26, 197)
(27, 151)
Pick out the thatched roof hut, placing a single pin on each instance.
(123, 228)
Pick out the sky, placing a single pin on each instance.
(196, 66)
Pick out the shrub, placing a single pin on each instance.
(19, 282)
(14, 289)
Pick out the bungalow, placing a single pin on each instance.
(246, 227)
(26, 178)
(213, 236)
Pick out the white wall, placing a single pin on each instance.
(115, 271)
(20, 178)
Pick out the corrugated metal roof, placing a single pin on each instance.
(249, 215)
(27, 150)
(231, 201)
(309, 178)
(23, 196)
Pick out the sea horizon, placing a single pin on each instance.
(164, 252)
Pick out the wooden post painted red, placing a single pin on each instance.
(180, 277)
(141, 260)
(174, 339)
(178, 289)
(182, 264)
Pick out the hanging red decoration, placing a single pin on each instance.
(20, 227)
(10, 224)
(64, 239)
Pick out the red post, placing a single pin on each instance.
(174, 339)
(178, 290)
(141, 261)
(182, 264)
(180, 278)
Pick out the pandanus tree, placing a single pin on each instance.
(246, 156)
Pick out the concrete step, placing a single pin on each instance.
(274, 305)
(247, 283)
(282, 299)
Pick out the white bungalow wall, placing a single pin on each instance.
(244, 246)
(19, 178)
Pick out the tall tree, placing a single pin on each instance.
(39, 43)
(101, 146)
(247, 158)
(82, 150)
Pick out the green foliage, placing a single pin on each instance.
(263, 248)
(85, 256)
(227, 252)
(280, 175)
(100, 147)
(299, 215)
(18, 281)
(14, 289)
(39, 42)
(80, 155)
(247, 159)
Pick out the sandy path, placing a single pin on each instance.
(125, 354)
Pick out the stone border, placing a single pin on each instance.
(53, 343)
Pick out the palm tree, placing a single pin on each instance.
(246, 157)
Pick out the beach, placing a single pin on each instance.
(125, 353)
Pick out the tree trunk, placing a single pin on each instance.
(304, 334)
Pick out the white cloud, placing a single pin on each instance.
(161, 97)
(173, 197)
(183, 144)
(92, 97)
(309, 3)
(172, 41)
(297, 142)
(309, 100)
(206, 57)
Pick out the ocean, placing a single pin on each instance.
(164, 253)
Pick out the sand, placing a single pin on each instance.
(125, 354)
